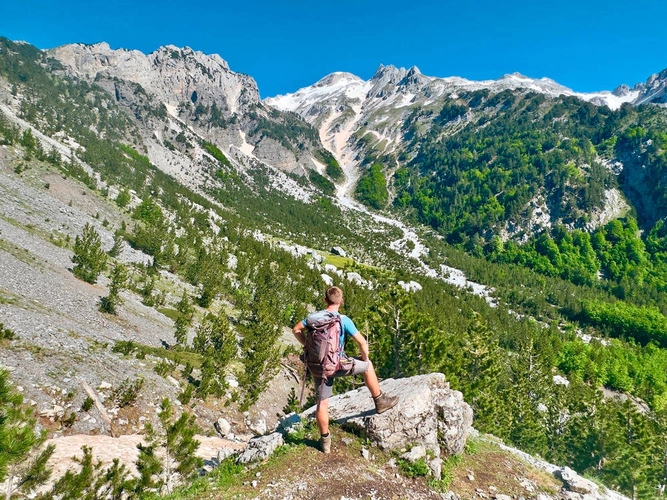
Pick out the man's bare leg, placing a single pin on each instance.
(322, 416)
(371, 381)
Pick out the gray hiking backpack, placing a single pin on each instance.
(322, 352)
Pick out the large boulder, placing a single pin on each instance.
(339, 251)
(261, 448)
(428, 413)
(574, 482)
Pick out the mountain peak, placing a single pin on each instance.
(621, 90)
(337, 78)
(389, 71)
(514, 77)
(414, 70)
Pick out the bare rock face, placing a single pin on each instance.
(200, 91)
(172, 74)
(654, 90)
(428, 414)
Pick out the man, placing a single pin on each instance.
(350, 366)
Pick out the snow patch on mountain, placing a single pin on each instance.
(245, 147)
(331, 86)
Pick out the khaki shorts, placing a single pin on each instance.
(351, 366)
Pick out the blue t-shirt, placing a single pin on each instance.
(349, 328)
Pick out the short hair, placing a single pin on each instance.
(333, 295)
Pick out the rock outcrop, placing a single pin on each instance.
(260, 448)
(428, 414)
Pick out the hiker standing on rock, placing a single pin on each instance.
(322, 334)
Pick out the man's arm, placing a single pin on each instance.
(363, 345)
(298, 333)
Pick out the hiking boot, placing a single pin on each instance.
(325, 444)
(384, 403)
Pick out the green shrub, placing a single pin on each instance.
(87, 404)
(124, 347)
(413, 469)
(6, 333)
(186, 395)
(127, 392)
(215, 152)
(227, 472)
(89, 258)
(163, 368)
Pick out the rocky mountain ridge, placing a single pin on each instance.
(387, 116)
(174, 75)
(191, 90)
(389, 80)
(341, 103)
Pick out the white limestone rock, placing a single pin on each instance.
(574, 482)
(428, 414)
(258, 425)
(223, 427)
(261, 448)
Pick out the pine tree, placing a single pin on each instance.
(116, 483)
(22, 465)
(92, 481)
(211, 273)
(89, 258)
(260, 332)
(216, 341)
(148, 464)
(170, 450)
(400, 334)
(109, 303)
(74, 485)
(531, 385)
(123, 198)
(261, 357)
(574, 427)
(117, 247)
(185, 313)
(483, 378)
(629, 465)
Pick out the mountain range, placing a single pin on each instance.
(340, 104)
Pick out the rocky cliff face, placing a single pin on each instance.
(342, 104)
(174, 76)
(198, 92)
(654, 90)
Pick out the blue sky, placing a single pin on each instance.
(586, 45)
